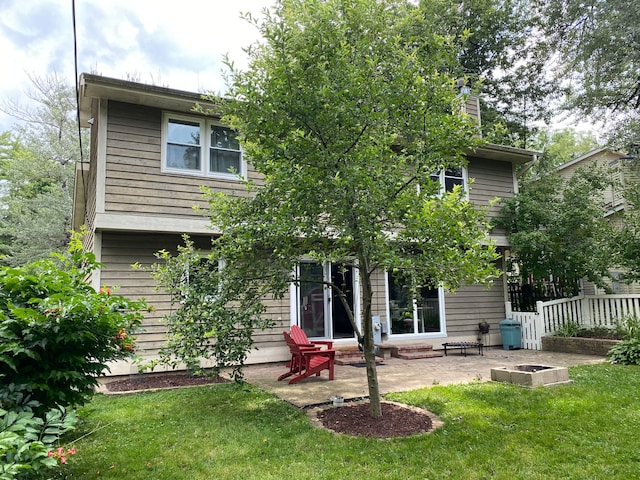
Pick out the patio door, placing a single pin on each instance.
(321, 313)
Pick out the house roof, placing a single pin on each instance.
(96, 87)
(99, 87)
(586, 156)
(504, 153)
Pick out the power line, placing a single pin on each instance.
(75, 64)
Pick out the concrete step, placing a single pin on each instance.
(350, 356)
(408, 351)
(418, 354)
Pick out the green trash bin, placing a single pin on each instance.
(511, 334)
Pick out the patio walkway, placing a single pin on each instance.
(396, 375)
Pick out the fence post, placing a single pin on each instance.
(587, 321)
(541, 321)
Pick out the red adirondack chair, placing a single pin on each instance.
(307, 360)
(301, 338)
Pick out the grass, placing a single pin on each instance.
(586, 430)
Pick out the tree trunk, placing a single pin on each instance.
(375, 408)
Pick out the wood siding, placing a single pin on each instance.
(134, 180)
(473, 304)
(472, 107)
(121, 250)
(491, 179)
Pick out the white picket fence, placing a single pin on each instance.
(586, 310)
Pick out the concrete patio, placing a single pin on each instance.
(396, 375)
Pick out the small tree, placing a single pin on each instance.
(346, 114)
(204, 327)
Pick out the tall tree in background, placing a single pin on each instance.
(498, 55)
(37, 163)
(347, 118)
(595, 48)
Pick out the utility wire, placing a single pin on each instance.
(75, 64)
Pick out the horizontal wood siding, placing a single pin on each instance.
(134, 181)
(379, 302)
(473, 304)
(472, 107)
(491, 179)
(121, 250)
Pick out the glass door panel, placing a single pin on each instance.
(343, 278)
(428, 310)
(312, 300)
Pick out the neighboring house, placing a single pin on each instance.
(150, 154)
(613, 201)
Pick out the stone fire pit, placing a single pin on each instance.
(531, 375)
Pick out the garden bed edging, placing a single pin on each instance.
(580, 345)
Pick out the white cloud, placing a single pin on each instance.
(176, 44)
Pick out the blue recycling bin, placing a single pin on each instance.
(511, 334)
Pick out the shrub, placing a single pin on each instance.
(628, 327)
(568, 329)
(626, 352)
(57, 333)
(28, 442)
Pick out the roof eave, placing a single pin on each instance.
(98, 87)
(503, 153)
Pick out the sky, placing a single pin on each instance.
(179, 45)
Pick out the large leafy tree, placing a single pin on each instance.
(628, 240)
(499, 57)
(595, 47)
(37, 163)
(346, 117)
(556, 229)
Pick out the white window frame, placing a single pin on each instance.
(205, 146)
(441, 306)
(465, 181)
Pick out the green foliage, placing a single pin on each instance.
(628, 327)
(558, 228)
(217, 312)
(568, 329)
(497, 54)
(347, 110)
(626, 352)
(560, 147)
(28, 442)
(57, 333)
(37, 165)
(595, 48)
(628, 238)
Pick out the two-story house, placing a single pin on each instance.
(150, 153)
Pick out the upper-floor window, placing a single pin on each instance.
(451, 177)
(200, 147)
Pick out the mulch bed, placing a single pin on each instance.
(154, 382)
(396, 420)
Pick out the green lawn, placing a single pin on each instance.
(587, 430)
